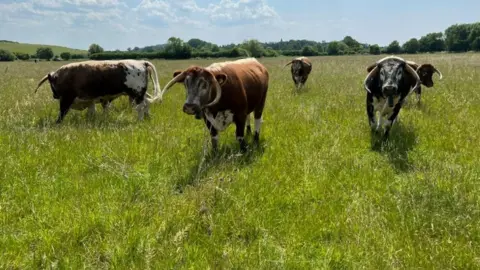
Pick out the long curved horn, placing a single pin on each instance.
(218, 95)
(415, 75)
(179, 77)
(41, 82)
(369, 75)
(288, 64)
(439, 73)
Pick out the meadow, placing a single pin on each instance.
(317, 193)
(31, 49)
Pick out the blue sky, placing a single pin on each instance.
(119, 24)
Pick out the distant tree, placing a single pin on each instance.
(129, 49)
(394, 47)
(456, 37)
(94, 48)
(6, 55)
(432, 42)
(475, 46)
(309, 51)
(352, 43)
(177, 49)
(343, 48)
(473, 36)
(136, 49)
(375, 49)
(197, 43)
(65, 55)
(44, 53)
(22, 56)
(215, 48)
(254, 47)
(333, 48)
(411, 46)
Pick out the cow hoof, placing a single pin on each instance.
(249, 130)
(256, 137)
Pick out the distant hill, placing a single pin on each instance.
(32, 48)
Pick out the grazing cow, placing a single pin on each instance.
(301, 68)
(388, 83)
(223, 93)
(82, 84)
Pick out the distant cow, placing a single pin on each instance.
(301, 68)
(80, 85)
(425, 71)
(223, 93)
(388, 83)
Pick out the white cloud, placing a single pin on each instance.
(115, 25)
(60, 3)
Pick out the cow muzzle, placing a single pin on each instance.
(192, 109)
(389, 91)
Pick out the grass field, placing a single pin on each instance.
(32, 48)
(318, 193)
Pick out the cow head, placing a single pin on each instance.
(203, 88)
(390, 75)
(425, 72)
(52, 79)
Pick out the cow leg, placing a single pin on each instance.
(370, 112)
(418, 91)
(65, 104)
(240, 120)
(392, 119)
(91, 110)
(213, 134)
(258, 119)
(249, 127)
(106, 104)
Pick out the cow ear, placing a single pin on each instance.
(221, 78)
(176, 73)
(369, 68)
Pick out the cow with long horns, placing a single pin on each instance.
(425, 72)
(223, 93)
(81, 85)
(388, 83)
(300, 69)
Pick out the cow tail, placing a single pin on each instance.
(156, 85)
(41, 82)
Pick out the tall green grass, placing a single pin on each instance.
(317, 193)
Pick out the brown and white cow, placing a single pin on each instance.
(223, 93)
(301, 68)
(81, 85)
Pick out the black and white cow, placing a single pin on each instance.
(388, 83)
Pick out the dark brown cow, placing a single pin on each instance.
(425, 71)
(223, 93)
(80, 85)
(301, 68)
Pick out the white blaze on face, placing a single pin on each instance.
(221, 121)
(136, 75)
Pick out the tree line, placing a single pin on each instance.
(456, 38)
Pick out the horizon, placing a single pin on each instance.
(116, 24)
